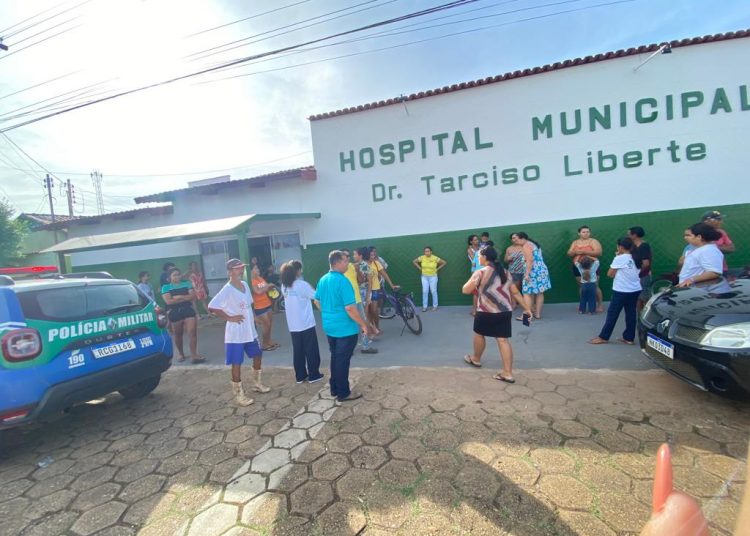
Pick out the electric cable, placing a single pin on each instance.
(34, 16)
(246, 40)
(247, 18)
(449, 5)
(39, 84)
(182, 174)
(9, 54)
(401, 45)
(8, 36)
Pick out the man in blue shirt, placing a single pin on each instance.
(334, 297)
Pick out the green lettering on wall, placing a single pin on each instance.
(695, 151)
(426, 180)
(446, 185)
(439, 138)
(387, 154)
(405, 147)
(541, 127)
(458, 143)
(478, 144)
(690, 99)
(744, 102)
(639, 116)
(603, 119)
(477, 183)
(366, 157)
(632, 159)
(567, 130)
(343, 161)
(721, 101)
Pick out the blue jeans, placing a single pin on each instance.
(342, 349)
(306, 355)
(620, 301)
(429, 286)
(588, 298)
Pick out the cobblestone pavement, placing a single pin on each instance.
(426, 451)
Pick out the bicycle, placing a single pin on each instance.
(401, 304)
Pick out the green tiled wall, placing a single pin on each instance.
(663, 231)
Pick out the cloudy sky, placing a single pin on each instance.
(251, 118)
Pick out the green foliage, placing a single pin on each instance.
(12, 233)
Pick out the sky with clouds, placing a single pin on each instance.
(251, 118)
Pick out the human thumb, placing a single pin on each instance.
(681, 516)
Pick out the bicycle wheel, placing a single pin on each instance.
(410, 316)
(388, 308)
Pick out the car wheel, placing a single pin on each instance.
(140, 389)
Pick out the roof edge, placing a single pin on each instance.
(260, 181)
(677, 43)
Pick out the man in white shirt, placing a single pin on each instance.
(625, 291)
(233, 303)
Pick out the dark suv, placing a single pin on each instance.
(67, 340)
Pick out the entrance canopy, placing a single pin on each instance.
(168, 233)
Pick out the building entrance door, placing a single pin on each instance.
(274, 250)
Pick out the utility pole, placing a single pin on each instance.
(48, 184)
(71, 197)
(96, 179)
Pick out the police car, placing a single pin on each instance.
(68, 339)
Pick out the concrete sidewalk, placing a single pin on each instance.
(557, 341)
(439, 451)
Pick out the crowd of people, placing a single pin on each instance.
(499, 285)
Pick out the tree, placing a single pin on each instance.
(12, 233)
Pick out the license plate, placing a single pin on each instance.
(663, 347)
(115, 348)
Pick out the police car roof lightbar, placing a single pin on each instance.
(28, 270)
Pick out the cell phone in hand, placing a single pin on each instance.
(526, 319)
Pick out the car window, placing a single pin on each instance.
(81, 303)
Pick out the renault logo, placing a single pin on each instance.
(111, 323)
(663, 326)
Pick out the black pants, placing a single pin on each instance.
(620, 301)
(306, 354)
(341, 355)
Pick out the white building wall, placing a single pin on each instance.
(502, 112)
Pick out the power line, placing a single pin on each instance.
(33, 16)
(40, 41)
(39, 84)
(210, 51)
(401, 45)
(14, 144)
(44, 31)
(247, 18)
(79, 93)
(449, 5)
(203, 172)
(8, 36)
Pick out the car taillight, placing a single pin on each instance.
(21, 344)
(14, 415)
(161, 317)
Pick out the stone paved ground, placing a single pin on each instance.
(426, 451)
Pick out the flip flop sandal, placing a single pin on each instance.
(198, 360)
(625, 341)
(597, 340)
(181, 358)
(502, 378)
(469, 361)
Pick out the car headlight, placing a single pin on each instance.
(733, 336)
(647, 308)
